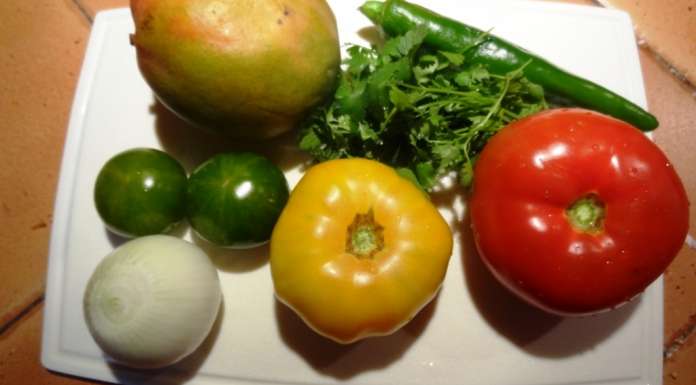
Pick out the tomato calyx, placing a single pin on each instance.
(586, 214)
(365, 237)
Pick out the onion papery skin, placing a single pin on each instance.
(152, 301)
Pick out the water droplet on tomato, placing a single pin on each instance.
(633, 171)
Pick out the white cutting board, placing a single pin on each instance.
(474, 333)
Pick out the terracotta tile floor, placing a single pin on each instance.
(42, 45)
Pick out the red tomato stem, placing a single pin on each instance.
(587, 214)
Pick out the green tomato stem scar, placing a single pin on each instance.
(365, 236)
(587, 214)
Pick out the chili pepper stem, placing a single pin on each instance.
(373, 10)
(364, 236)
(397, 17)
(587, 214)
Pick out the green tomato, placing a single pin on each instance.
(235, 199)
(140, 192)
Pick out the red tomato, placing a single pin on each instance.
(576, 212)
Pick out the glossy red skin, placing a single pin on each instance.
(534, 169)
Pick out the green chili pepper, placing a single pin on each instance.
(396, 17)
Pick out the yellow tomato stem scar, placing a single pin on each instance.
(365, 236)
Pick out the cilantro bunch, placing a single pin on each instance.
(422, 111)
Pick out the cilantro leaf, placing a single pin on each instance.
(425, 112)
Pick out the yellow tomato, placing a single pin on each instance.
(358, 250)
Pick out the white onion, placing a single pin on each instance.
(152, 301)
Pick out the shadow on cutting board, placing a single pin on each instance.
(231, 260)
(192, 145)
(531, 329)
(345, 361)
(116, 240)
(179, 373)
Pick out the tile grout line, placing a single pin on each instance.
(83, 11)
(680, 338)
(670, 348)
(688, 330)
(39, 300)
(643, 43)
(8, 325)
(671, 68)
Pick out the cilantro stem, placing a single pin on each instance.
(387, 119)
(494, 108)
(442, 91)
(430, 111)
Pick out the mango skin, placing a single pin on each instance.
(246, 68)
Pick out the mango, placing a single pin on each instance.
(245, 68)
